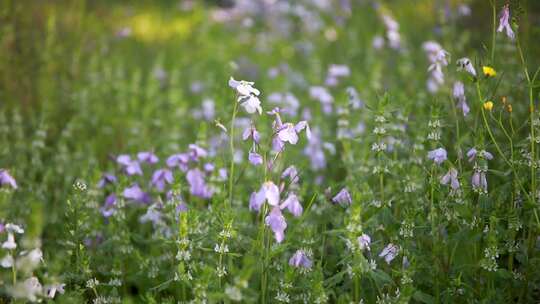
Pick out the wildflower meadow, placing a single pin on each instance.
(270, 151)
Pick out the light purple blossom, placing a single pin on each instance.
(343, 197)
(178, 160)
(131, 167)
(196, 152)
(106, 179)
(162, 177)
(459, 95)
(473, 153)
(269, 192)
(293, 205)
(314, 150)
(108, 207)
(364, 241)
(136, 194)
(7, 179)
(147, 157)
(451, 177)
(504, 23)
(479, 181)
(255, 158)
(438, 155)
(277, 223)
(251, 132)
(198, 187)
(300, 259)
(322, 95)
(244, 88)
(291, 173)
(389, 253)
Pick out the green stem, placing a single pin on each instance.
(231, 146)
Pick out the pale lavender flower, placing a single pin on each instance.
(255, 158)
(459, 95)
(147, 157)
(131, 167)
(251, 132)
(451, 177)
(464, 64)
(108, 207)
(300, 259)
(198, 187)
(464, 10)
(473, 153)
(178, 160)
(135, 193)
(151, 215)
(377, 42)
(364, 241)
(438, 155)
(209, 167)
(196, 152)
(269, 192)
(323, 96)
(106, 179)
(222, 173)
(389, 253)
(162, 177)
(343, 197)
(292, 173)
(293, 205)
(7, 179)
(479, 181)
(314, 150)
(504, 23)
(277, 223)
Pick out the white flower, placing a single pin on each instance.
(10, 244)
(7, 261)
(30, 289)
(54, 288)
(251, 104)
(243, 88)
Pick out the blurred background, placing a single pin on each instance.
(84, 80)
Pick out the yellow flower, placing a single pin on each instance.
(489, 71)
(488, 105)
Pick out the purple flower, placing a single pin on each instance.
(135, 193)
(269, 192)
(178, 160)
(251, 132)
(147, 157)
(479, 181)
(389, 253)
(291, 173)
(7, 179)
(504, 23)
(196, 152)
(459, 95)
(300, 259)
(364, 241)
(209, 167)
(343, 197)
(108, 207)
(277, 223)
(438, 155)
(473, 153)
(198, 187)
(162, 177)
(293, 205)
(255, 158)
(314, 150)
(451, 177)
(131, 167)
(323, 96)
(106, 179)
